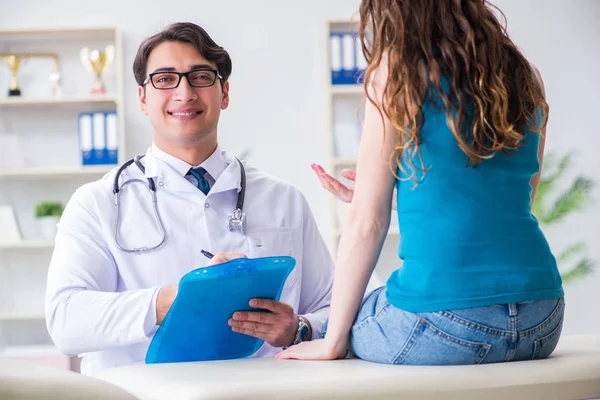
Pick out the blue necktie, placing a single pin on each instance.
(198, 173)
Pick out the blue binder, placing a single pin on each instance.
(196, 328)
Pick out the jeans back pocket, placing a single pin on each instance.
(545, 345)
(429, 345)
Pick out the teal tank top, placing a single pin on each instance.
(467, 235)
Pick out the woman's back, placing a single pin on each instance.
(468, 238)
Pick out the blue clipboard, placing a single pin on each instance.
(196, 328)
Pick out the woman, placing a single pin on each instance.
(459, 115)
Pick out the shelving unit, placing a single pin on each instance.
(344, 126)
(57, 101)
(54, 172)
(47, 166)
(338, 90)
(28, 244)
(21, 316)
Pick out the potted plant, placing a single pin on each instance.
(48, 214)
(573, 261)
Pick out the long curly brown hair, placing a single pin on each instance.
(493, 91)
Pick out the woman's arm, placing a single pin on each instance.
(363, 236)
(368, 217)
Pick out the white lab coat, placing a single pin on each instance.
(100, 301)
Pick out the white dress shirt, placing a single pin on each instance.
(101, 301)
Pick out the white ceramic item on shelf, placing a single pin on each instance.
(48, 226)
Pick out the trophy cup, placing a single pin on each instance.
(14, 62)
(97, 61)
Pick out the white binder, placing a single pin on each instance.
(86, 139)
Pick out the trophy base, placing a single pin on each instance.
(97, 91)
(14, 92)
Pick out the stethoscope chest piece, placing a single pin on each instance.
(237, 221)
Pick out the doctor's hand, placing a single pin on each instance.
(164, 299)
(222, 257)
(278, 328)
(167, 294)
(337, 188)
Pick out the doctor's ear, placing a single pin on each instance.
(142, 97)
(225, 99)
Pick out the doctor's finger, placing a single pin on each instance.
(222, 257)
(257, 316)
(277, 307)
(267, 337)
(253, 328)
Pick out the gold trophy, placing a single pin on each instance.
(96, 62)
(14, 62)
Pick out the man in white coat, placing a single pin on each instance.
(105, 302)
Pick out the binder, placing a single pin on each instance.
(348, 59)
(86, 138)
(335, 58)
(112, 138)
(99, 138)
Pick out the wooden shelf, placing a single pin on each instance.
(18, 101)
(21, 316)
(58, 34)
(344, 162)
(55, 172)
(28, 244)
(347, 90)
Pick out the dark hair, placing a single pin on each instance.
(182, 32)
(490, 81)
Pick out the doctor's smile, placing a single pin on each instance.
(185, 114)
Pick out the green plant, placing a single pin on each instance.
(575, 198)
(49, 208)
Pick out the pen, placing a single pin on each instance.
(207, 254)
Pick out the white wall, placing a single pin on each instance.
(278, 86)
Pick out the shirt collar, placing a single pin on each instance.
(215, 164)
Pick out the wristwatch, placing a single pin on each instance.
(304, 332)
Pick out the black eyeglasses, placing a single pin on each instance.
(170, 80)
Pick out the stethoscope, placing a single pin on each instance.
(235, 221)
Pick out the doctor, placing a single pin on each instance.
(115, 269)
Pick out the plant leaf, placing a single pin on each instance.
(552, 170)
(584, 267)
(573, 250)
(573, 199)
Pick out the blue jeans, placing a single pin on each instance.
(508, 332)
